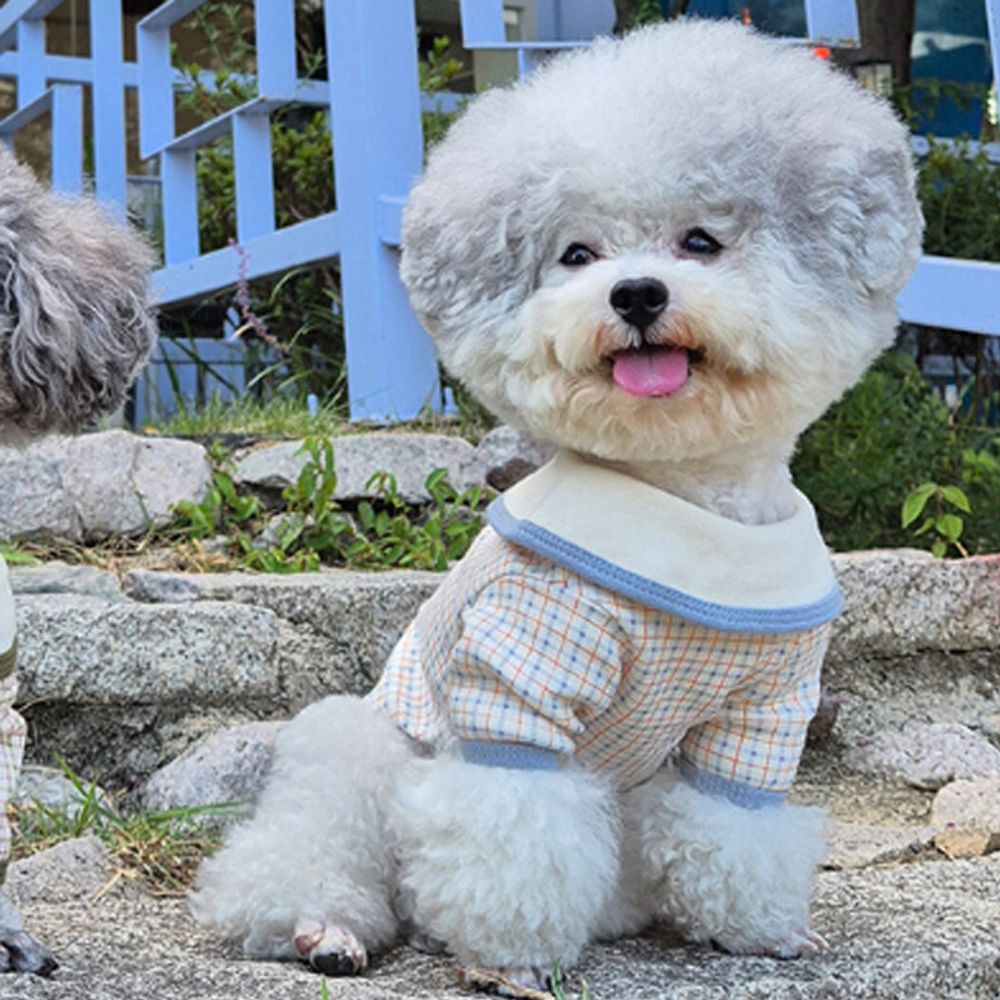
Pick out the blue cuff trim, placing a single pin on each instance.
(725, 617)
(520, 756)
(745, 796)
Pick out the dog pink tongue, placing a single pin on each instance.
(651, 371)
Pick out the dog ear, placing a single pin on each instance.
(76, 320)
(891, 223)
(866, 204)
(468, 246)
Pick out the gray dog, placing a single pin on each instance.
(76, 324)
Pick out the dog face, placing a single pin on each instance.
(76, 318)
(666, 247)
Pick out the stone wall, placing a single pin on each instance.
(121, 676)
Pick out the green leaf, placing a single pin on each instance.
(913, 505)
(956, 497)
(939, 548)
(950, 525)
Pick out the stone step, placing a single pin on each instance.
(907, 931)
(120, 679)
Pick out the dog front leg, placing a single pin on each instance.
(739, 878)
(510, 868)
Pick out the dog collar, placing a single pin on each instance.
(648, 545)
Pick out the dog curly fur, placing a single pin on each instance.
(76, 319)
(806, 183)
(76, 324)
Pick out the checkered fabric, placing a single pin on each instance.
(517, 652)
(12, 728)
(12, 736)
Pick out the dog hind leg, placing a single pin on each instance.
(310, 875)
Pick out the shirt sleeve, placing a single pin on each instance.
(534, 660)
(749, 751)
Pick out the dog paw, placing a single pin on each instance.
(793, 945)
(523, 983)
(20, 952)
(332, 950)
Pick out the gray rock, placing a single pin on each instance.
(113, 687)
(903, 602)
(35, 498)
(60, 578)
(226, 767)
(74, 869)
(339, 626)
(858, 845)
(411, 458)
(84, 650)
(926, 930)
(929, 755)
(87, 488)
(505, 456)
(972, 803)
(49, 787)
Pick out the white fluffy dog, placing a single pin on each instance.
(667, 255)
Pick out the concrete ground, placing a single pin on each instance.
(910, 930)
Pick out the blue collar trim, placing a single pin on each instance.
(657, 595)
(744, 796)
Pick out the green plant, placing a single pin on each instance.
(885, 438)
(161, 849)
(559, 985)
(945, 526)
(221, 511)
(437, 70)
(313, 529)
(14, 556)
(959, 192)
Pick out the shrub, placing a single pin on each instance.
(885, 438)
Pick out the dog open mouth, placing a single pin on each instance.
(653, 369)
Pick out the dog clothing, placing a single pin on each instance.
(600, 619)
(12, 727)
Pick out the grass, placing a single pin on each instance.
(288, 416)
(161, 850)
(282, 416)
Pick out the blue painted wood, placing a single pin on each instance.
(14, 12)
(375, 109)
(275, 28)
(313, 241)
(31, 48)
(993, 24)
(65, 104)
(254, 176)
(108, 101)
(180, 206)
(156, 91)
(67, 144)
(954, 294)
(833, 23)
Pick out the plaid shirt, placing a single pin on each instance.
(515, 652)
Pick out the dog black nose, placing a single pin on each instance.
(639, 300)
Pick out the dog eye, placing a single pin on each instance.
(699, 243)
(577, 255)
